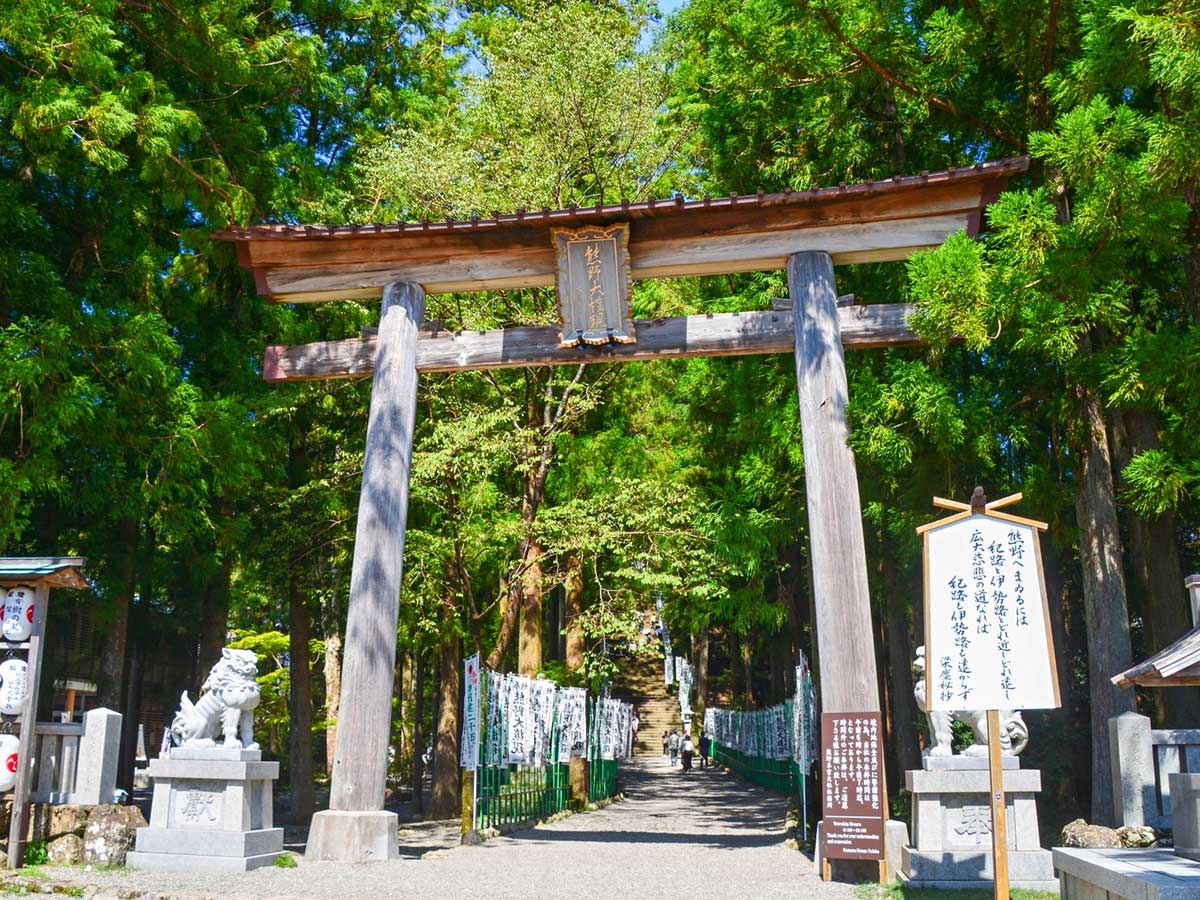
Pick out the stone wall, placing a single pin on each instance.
(92, 835)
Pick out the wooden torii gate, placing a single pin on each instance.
(808, 232)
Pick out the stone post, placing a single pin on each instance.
(1132, 755)
(99, 751)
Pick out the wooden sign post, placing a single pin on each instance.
(987, 630)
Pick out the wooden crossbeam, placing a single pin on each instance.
(717, 334)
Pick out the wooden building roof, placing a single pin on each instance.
(55, 571)
(870, 222)
(1177, 665)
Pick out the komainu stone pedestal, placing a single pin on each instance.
(952, 826)
(211, 812)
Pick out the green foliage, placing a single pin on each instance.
(36, 853)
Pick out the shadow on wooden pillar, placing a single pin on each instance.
(356, 828)
(837, 556)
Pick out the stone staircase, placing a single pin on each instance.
(640, 682)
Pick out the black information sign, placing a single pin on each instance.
(852, 785)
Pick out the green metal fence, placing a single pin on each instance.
(602, 773)
(509, 794)
(780, 775)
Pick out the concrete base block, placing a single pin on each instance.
(355, 837)
(1050, 886)
(960, 866)
(895, 839)
(227, 754)
(960, 763)
(186, 862)
(209, 843)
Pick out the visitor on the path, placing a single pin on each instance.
(705, 749)
(674, 745)
(666, 743)
(634, 727)
(687, 750)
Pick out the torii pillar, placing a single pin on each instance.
(845, 643)
(356, 827)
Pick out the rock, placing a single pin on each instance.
(66, 850)
(110, 834)
(472, 839)
(68, 820)
(1089, 837)
(1136, 836)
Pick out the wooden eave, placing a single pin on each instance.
(869, 222)
(1177, 665)
(52, 571)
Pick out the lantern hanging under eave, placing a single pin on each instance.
(18, 613)
(14, 686)
(8, 761)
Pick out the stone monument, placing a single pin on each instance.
(211, 807)
(951, 814)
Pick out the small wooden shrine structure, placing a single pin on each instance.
(1177, 664)
(592, 254)
(42, 574)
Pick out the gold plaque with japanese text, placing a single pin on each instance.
(594, 285)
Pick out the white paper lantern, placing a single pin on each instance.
(14, 674)
(8, 761)
(18, 614)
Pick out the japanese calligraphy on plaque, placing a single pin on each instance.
(594, 285)
(987, 626)
(853, 806)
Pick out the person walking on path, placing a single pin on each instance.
(705, 749)
(666, 743)
(687, 750)
(634, 722)
(674, 745)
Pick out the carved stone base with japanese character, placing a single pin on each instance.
(952, 829)
(211, 812)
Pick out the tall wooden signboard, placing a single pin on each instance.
(987, 628)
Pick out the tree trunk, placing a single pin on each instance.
(333, 691)
(300, 756)
(1158, 574)
(418, 767)
(405, 704)
(132, 708)
(747, 672)
(116, 629)
(529, 652)
(906, 744)
(446, 802)
(1103, 591)
(700, 655)
(215, 626)
(573, 655)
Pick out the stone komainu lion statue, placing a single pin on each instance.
(225, 708)
(1014, 735)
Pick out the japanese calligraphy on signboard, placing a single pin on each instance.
(988, 642)
(594, 285)
(852, 785)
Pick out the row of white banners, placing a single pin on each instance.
(531, 720)
(785, 731)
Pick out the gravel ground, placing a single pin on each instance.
(675, 836)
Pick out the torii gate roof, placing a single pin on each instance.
(875, 221)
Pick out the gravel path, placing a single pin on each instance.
(675, 836)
